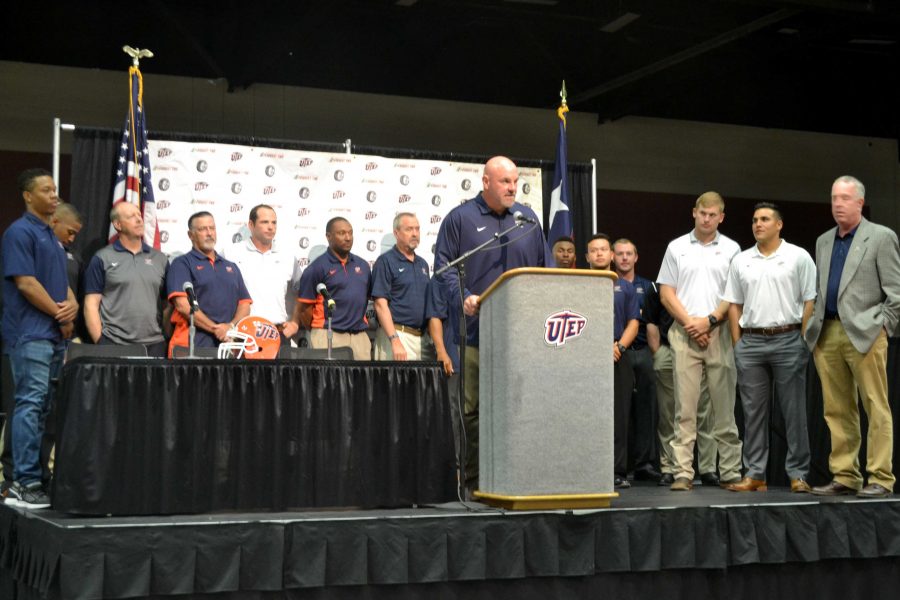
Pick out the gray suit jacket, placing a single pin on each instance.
(869, 292)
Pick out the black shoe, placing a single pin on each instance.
(710, 479)
(666, 479)
(31, 496)
(621, 482)
(647, 473)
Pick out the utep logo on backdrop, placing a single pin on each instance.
(269, 189)
(163, 152)
(200, 186)
(338, 194)
(435, 219)
(563, 326)
(435, 170)
(236, 207)
(404, 198)
(371, 215)
(163, 204)
(305, 162)
(303, 212)
(371, 165)
(235, 156)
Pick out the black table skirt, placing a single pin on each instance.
(147, 437)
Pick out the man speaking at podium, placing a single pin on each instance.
(464, 228)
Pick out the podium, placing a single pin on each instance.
(546, 390)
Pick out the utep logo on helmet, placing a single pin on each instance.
(562, 327)
(266, 331)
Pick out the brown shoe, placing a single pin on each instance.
(799, 486)
(726, 483)
(682, 484)
(748, 485)
(833, 489)
(873, 490)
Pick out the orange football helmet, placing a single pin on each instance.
(252, 337)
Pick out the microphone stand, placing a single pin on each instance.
(192, 331)
(460, 264)
(329, 312)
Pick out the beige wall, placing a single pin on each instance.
(632, 153)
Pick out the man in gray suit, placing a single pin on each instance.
(857, 308)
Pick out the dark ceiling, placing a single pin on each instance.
(816, 65)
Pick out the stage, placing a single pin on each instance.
(652, 543)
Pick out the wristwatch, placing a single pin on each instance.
(621, 347)
(712, 321)
(396, 336)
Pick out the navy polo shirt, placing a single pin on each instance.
(642, 287)
(30, 248)
(839, 254)
(471, 224)
(349, 283)
(219, 288)
(436, 307)
(403, 283)
(625, 306)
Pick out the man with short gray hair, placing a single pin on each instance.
(124, 287)
(857, 309)
(399, 284)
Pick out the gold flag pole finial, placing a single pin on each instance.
(137, 54)
(562, 93)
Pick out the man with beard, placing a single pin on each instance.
(348, 280)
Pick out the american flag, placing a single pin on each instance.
(133, 183)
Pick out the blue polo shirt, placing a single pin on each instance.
(30, 248)
(219, 288)
(471, 224)
(403, 283)
(349, 283)
(839, 253)
(625, 306)
(642, 286)
(436, 307)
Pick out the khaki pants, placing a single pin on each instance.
(358, 342)
(470, 418)
(665, 397)
(843, 370)
(717, 361)
(418, 347)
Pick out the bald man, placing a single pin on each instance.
(468, 226)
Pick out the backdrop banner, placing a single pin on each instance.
(306, 189)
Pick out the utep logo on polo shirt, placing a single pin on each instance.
(563, 326)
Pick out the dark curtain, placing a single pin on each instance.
(93, 175)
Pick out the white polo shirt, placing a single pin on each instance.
(698, 271)
(772, 288)
(267, 276)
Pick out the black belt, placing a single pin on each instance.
(771, 330)
(344, 330)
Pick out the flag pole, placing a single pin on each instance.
(137, 54)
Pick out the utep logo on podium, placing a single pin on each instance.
(562, 327)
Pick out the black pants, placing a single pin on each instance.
(642, 437)
(623, 384)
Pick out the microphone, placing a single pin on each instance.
(329, 301)
(188, 288)
(520, 218)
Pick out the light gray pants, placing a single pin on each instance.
(761, 361)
